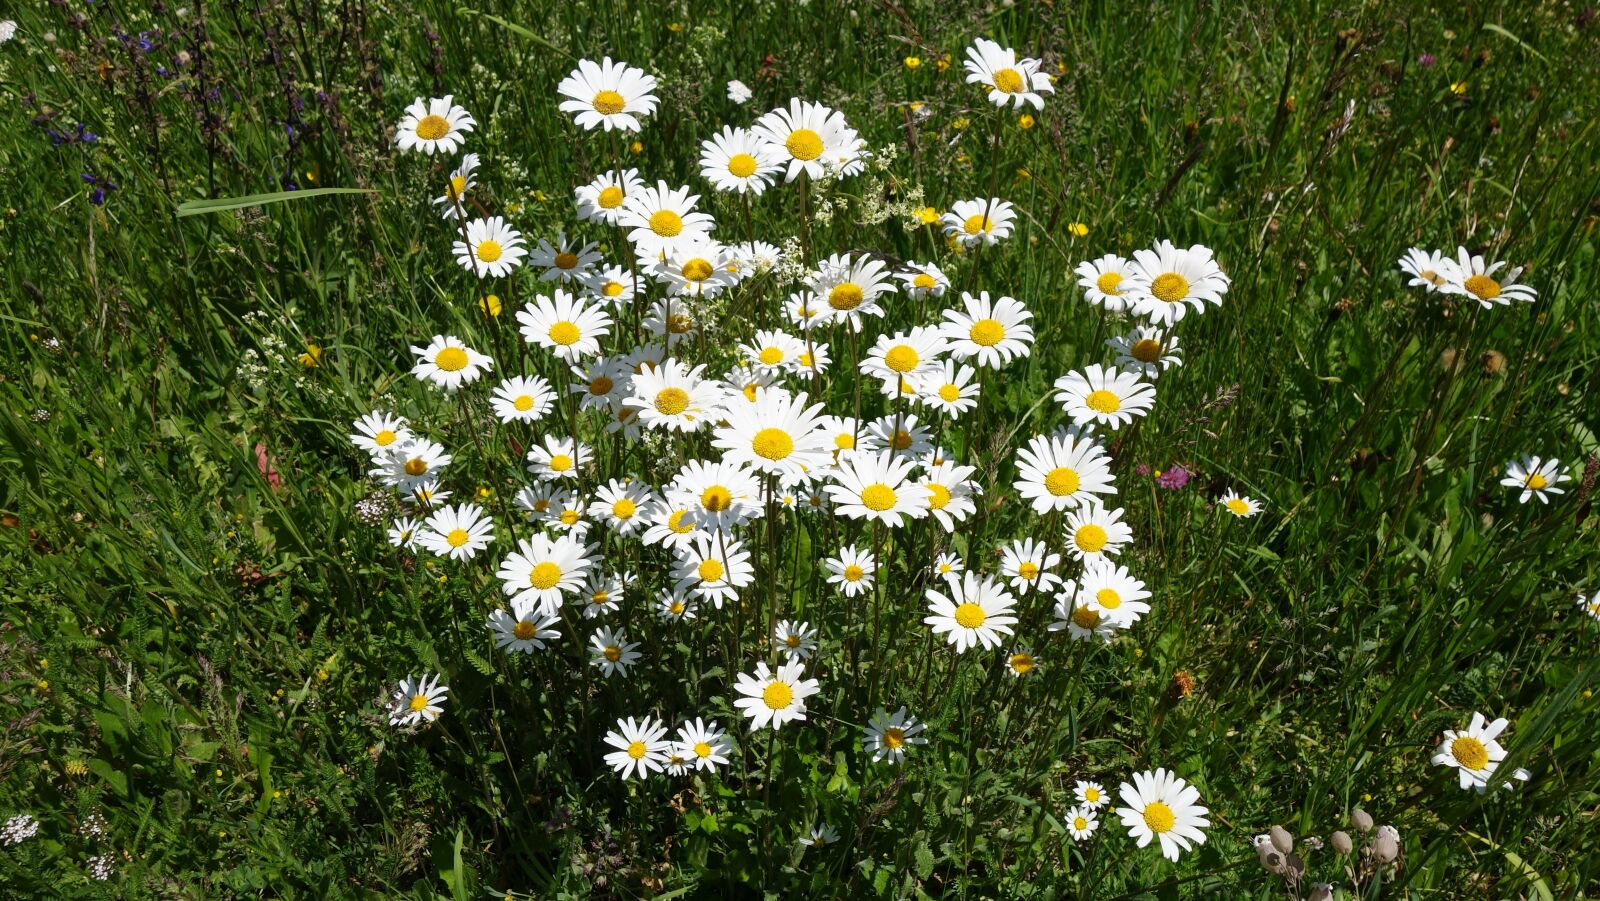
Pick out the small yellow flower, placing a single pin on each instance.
(917, 105)
(77, 766)
(490, 304)
(322, 675)
(312, 357)
(43, 684)
(219, 774)
(483, 491)
(1138, 652)
(314, 174)
(540, 196)
(1458, 88)
(944, 63)
(44, 662)
(1024, 173)
(1025, 122)
(928, 216)
(636, 148)
(960, 123)
(1077, 229)
(913, 62)
(1366, 797)
(675, 27)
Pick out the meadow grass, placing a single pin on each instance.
(200, 629)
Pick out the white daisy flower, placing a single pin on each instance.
(565, 325)
(448, 363)
(1166, 279)
(457, 532)
(914, 356)
(1022, 661)
(1429, 269)
(659, 217)
(452, 203)
(813, 139)
(1238, 504)
(1010, 80)
(676, 606)
(1536, 479)
(524, 632)
(704, 745)
(736, 160)
(672, 320)
(1589, 605)
(993, 333)
(598, 381)
(886, 736)
(778, 434)
(600, 201)
(854, 570)
(543, 569)
(1162, 806)
(611, 285)
(903, 434)
(1081, 619)
(924, 280)
(613, 653)
(609, 95)
(417, 700)
(1027, 563)
(951, 390)
(669, 525)
(1472, 277)
(1082, 823)
(719, 496)
(566, 261)
(1105, 282)
(982, 221)
(1094, 531)
(774, 697)
(877, 488)
(674, 397)
(1147, 351)
(434, 126)
(409, 465)
(948, 564)
(713, 568)
(378, 432)
(492, 248)
(641, 747)
(601, 594)
(403, 532)
(773, 352)
(850, 288)
(795, 640)
(1475, 751)
(698, 267)
(1090, 794)
(1106, 396)
(1112, 592)
(621, 505)
(818, 836)
(1059, 472)
(976, 612)
(559, 457)
(522, 399)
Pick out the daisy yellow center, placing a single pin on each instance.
(671, 401)
(569, 517)
(455, 187)
(637, 750)
(457, 537)
(702, 749)
(600, 598)
(676, 523)
(1170, 287)
(566, 260)
(697, 270)
(432, 128)
(610, 198)
(419, 703)
(1535, 481)
(600, 385)
(894, 738)
(1108, 598)
(976, 223)
(1091, 795)
(384, 438)
(416, 466)
(716, 499)
(451, 359)
(772, 444)
(541, 505)
(970, 616)
(489, 250)
(608, 103)
(923, 280)
(987, 332)
(1147, 350)
(1085, 618)
(613, 289)
(938, 496)
(676, 608)
(624, 508)
(1008, 81)
(901, 358)
(1080, 824)
(560, 463)
(777, 696)
(845, 441)
(1469, 752)
(710, 570)
(854, 573)
(613, 653)
(524, 403)
(544, 576)
(1237, 506)
(1061, 481)
(565, 333)
(1159, 817)
(845, 296)
(770, 356)
(1108, 282)
(524, 630)
(742, 165)
(679, 323)
(804, 144)
(792, 641)
(1022, 663)
(750, 392)
(949, 393)
(1028, 571)
(666, 223)
(877, 496)
(902, 440)
(1090, 538)
(1482, 287)
(1103, 401)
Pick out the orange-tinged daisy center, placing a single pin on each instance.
(416, 466)
(1145, 350)
(716, 499)
(1022, 663)
(524, 630)
(1482, 287)
(845, 296)
(1086, 618)
(894, 738)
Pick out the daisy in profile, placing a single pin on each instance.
(719, 496)
(1022, 661)
(416, 700)
(1167, 279)
(1239, 505)
(794, 639)
(805, 310)
(543, 569)
(773, 352)
(600, 201)
(703, 744)
(951, 492)
(1111, 591)
(886, 736)
(565, 325)
(713, 568)
(612, 285)
(609, 95)
(1147, 351)
(849, 288)
(659, 217)
(621, 505)
(854, 570)
(1536, 479)
(522, 399)
(566, 261)
(1010, 80)
(524, 632)
(992, 333)
(818, 836)
(1027, 564)
(452, 203)
(378, 432)
(1161, 806)
(1105, 396)
(811, 138)
(1472, 277)
(756, 258)
(976, 612)
(612, 653)
(774, 697)
(923, 280)
(1082, 823)
(558, 457)
(779, 434)
(426, 494)
(1059, 472)
(948, 564)
(1429, 269)
(457, 532)
(1093, 531)
(914, 356)
(675, 606)
(982, 221)
(492, 248)
(641, 747)
(877, 488)
(435, 126)
(903, 434)
(735, 160)
(1474, 751)
(448, 363)
(1090, 794)
(1105, 282)
(674, 397)
(403, 532)
(950, 390)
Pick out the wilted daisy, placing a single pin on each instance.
(458, 532)
(1009, 79)
(416, 700)
(1167, 278)
(621, 505)
(813, 139)
(1536, 479)
(1059, 472)
(704, 745)
(794, 639)
(914, 355)
(452, 203)
(612, 653)
(448, 363)
(1110, 590)
(434, 126)
(818, 836)
(924, 280)
(1474, 751)
(659, 217)
(565, 324)
(1162, 806)
(736, 160)
(849, 288)
(887, 736)
(739, 92)
(1094, 531)
(877, 488)
(1238, 504)
(1147, 351)
(1471, 276)
(1429, 269)
(1105, 282)
(641, 747)
(713, 568)
(523, 632)
(1090, 794)
(981, 221)
(853, 570)
(492, 248)
(774, 697)
(600, 201)
(403, 532)
(542, 569)
(1027, 564)
(378, 432)
(720, 496)
(950, 390)
(976, 612)
(565, 261)
(675, 606)
(558, 457)
(1022, 661)
(673, 396)
(601, 594)
(948, 564)
(778, 434)
(1082, 823)
(1100, 394)
(608, 95)
(522, 399)
(992, 332)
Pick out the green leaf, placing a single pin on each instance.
(516, 29)
(924, 860)
(221, 204)
(115, 778)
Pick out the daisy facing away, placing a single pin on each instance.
(641, 748)
(981, 221)
(1536, 477)
(452, 203)
(416, 700)
(1429, 269)
(774, 697)
(492, 248)
(434, 126)
(448, 363)
(609, 95)
(1239, 505)
(887, 737)
(1161, 806)
(1009, 80)
(976, 612)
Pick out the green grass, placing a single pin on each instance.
(199, 629)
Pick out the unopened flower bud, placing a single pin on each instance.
(1281, 839)
(1322, 891)
(1341, 842)
(1361, 820)
(1386, 845)
(1271, 860)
